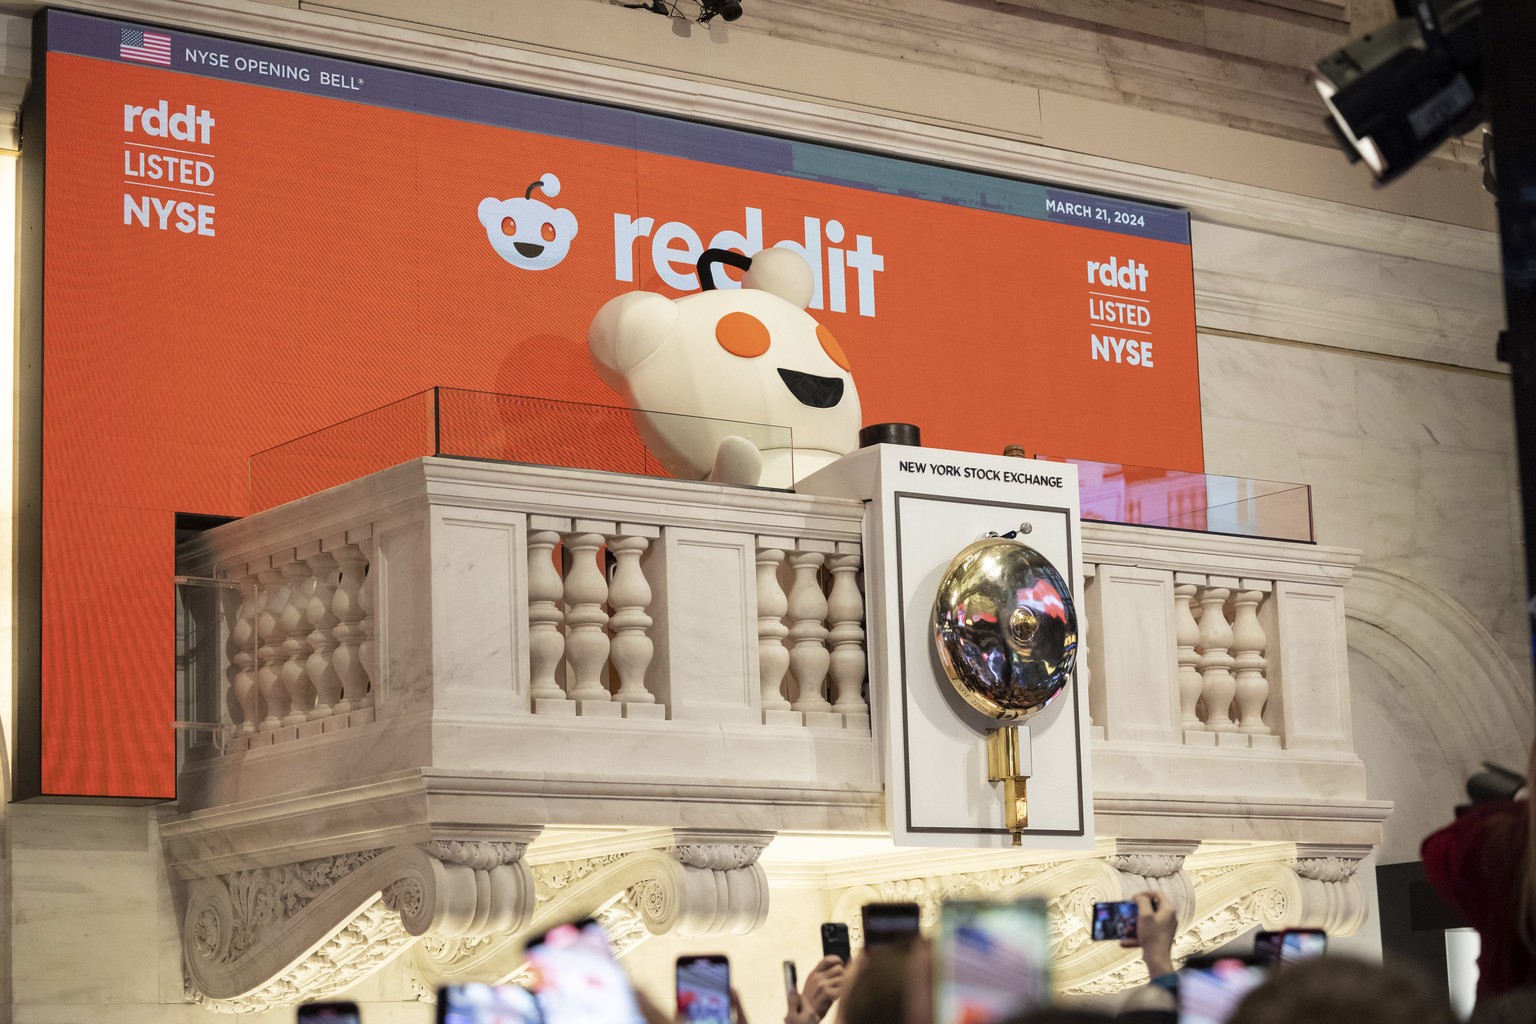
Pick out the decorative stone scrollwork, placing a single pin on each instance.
(717, 858)
(703, 883)
(1148, 865)
(367, 942)
(277, 935)
(1326, 869)
(623, 922)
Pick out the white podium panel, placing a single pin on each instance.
(925, 505)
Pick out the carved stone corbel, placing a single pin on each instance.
(692, 882)
(722, 886)
(277, 935)
(1156, 865)
(1331, 894)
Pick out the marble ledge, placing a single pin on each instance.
(1353, 824)
(1248, 557)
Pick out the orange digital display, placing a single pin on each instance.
(243, 245)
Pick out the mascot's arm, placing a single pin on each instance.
(737, 461)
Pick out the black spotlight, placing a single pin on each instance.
(725, 10)
(1398, 92)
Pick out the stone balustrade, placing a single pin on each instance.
(455, 699)
(524, 612)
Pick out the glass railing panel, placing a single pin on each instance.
(486, 425)
(355, 447)
(205, 648)
(1201, 502)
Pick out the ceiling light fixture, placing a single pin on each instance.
(1395, 94)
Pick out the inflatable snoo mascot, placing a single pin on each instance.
(715, 377)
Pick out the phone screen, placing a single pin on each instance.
(887, 923)
(991, 961)
(1209, 992)
(474, 1003)
(704, 989)
(1301, 944)
(1266, 947)
(1114, 920)
(329, 1013)
(576, 979)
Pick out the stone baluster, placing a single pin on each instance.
(244, 695)
(808, 657)
(349, 636)
(368, 648)
(772, 655)
(321, 616)
(586, 642)
(1217, 683)
(1187, 636)
(546, 641)
(269, 655)
(629, 595)
(1248, 646)
(845, 614)
(293, 624)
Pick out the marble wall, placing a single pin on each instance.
(1411, 463)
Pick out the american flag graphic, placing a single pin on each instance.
(149, 47)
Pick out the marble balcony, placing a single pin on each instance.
(450, 702)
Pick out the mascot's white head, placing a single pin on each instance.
(706, 370)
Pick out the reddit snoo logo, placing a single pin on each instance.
(529, 233)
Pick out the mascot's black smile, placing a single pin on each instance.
(809, 389)
(528, 249)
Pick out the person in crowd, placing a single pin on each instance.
(879, 992)
(1481, 864)
(1338, 988)
(1157, 922)
(823, 986)
(1517, 1006)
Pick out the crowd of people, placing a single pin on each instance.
(1483, 864)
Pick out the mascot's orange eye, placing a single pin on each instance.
(547, 232)
(830, 346)
(508, 226)
(742, 334)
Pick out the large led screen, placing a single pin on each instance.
(242, 244)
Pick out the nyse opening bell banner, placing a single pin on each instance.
(245, 244)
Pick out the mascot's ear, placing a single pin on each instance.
(627, 330)
(782, 272)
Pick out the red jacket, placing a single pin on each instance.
(1477, 863)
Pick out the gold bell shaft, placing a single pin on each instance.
(1008, 762)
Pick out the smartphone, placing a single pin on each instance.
(577, 981)
(887, 924)
(329, 1013)
(1298, 944)
(1211, 987)
(1266, 947)
(834, 940)
(791, 982)
(1114, 920)
(704, 989)
(475, 1003)
(991, 961)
